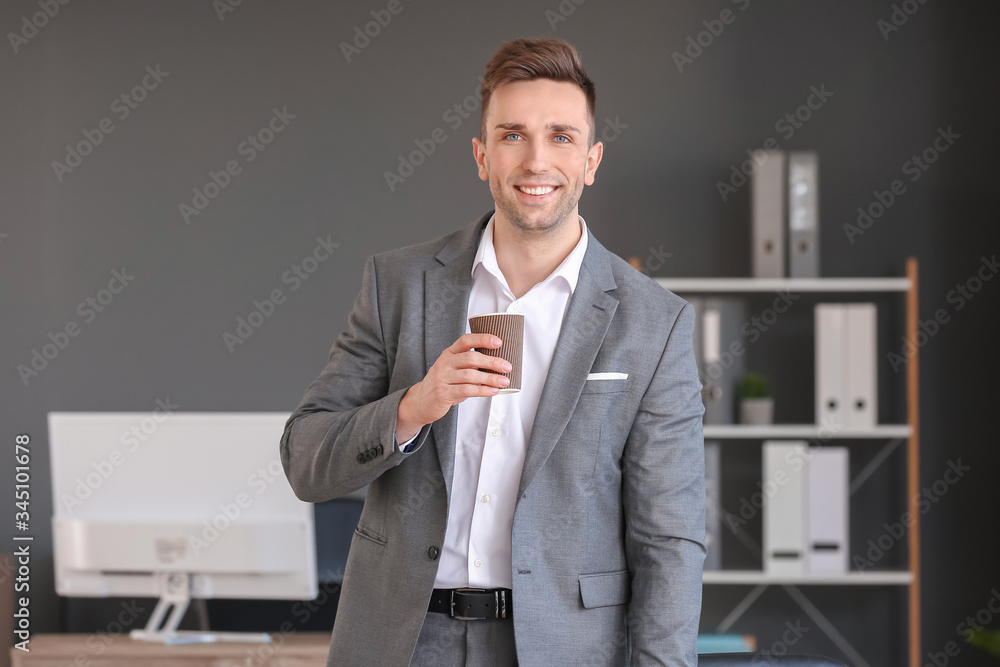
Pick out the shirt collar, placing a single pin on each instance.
(569, 269)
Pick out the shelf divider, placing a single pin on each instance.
(755, 577)
(690, 285)
(799, 431)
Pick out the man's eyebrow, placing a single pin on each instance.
(562, 127)
(554, 127)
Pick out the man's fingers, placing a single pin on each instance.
(475, 390)
(476, 377)
(472, 359)
(468, 341)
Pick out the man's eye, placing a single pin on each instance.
(562, 138)
(512, 134)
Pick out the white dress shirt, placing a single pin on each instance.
(493, 431)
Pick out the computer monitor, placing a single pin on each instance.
(178, 506)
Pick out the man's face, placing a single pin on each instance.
(537, 156)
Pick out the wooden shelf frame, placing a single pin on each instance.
(913, 458)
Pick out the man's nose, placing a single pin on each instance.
(536, 158)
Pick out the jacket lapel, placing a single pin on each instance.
(447, 287)
(587, 319)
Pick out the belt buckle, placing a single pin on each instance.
(496, 607)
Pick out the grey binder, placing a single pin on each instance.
(803, 215)
(713, 505)
(768, 196)
(716, 329)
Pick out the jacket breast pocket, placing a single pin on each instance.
(605, 589)
(605, 386)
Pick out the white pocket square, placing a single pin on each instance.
(607, 376)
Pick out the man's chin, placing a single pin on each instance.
(532, 220)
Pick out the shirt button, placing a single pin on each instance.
(516, 306)
(486, 497)
(478, 562)
(495, 432)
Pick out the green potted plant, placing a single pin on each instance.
(756, 402)
(988, 640)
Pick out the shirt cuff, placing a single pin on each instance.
(404, 446)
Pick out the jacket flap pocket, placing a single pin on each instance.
(605, 589)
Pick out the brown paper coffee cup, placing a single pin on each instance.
(508, 327)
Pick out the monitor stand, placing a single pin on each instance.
(175, 590)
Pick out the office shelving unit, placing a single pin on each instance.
(909, 431)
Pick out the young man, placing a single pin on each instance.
(574, 509)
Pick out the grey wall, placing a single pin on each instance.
(323, 176)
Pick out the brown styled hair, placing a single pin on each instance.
(529, 59)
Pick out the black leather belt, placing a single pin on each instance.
(472, 604)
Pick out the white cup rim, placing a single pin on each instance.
(489, 314)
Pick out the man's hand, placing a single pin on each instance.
(454, 377)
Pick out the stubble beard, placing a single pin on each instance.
(522, 219)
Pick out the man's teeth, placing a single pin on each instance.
(536, 191)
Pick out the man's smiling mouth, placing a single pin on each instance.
(539, 190)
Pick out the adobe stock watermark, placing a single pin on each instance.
(295, 276)
(562, 12)
(959, 296)
(223, 7)
(249, 148)
(981, 619)
(98, 642)
(914, 168)
(131, 439)
(362, 38)
(793, 633)
(752, 506)
(654, 261)
(752, 330)
(454, 116)
(229, 512)
(895, 532)
(966, 629)
(418, 497)
(88, 310)
(31, 25)
(122, 107)
(786, 126)
(898, 17)
(258, 655)
(698, 42)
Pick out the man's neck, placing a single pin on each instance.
(527, 259)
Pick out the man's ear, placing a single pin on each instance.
(479, 152)
(593, 161)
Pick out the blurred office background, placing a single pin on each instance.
(893, 76)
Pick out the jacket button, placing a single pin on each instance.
(433, 553)
(379, 450)
(361, 458)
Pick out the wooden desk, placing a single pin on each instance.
(303, 649)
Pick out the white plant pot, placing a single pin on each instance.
(757, 410)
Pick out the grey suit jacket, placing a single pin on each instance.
(609, 527)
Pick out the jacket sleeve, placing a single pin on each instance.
(342, 434)
(664, 500)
